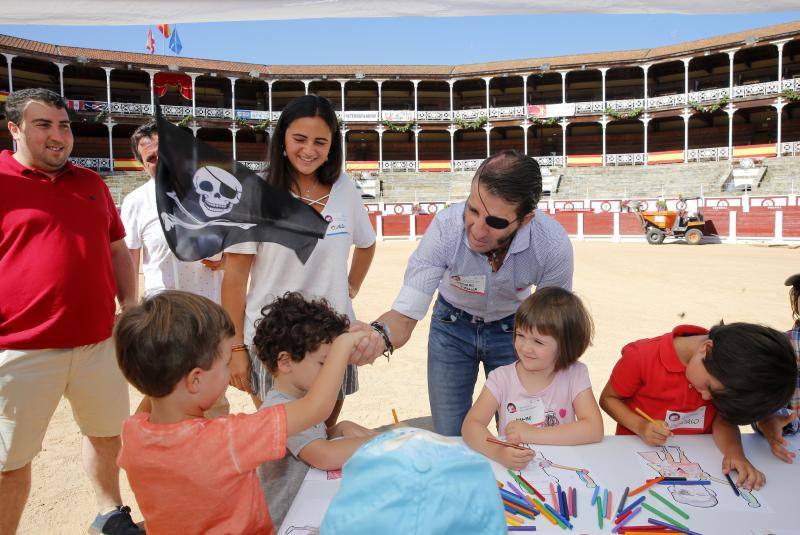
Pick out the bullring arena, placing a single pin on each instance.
(710, 125)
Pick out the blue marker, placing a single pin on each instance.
(633, 504)
(594, 496)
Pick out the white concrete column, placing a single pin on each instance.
(306, 84)
(452, 129)
(525, 96)
(686, 116)
(380, 100)
(645, 68)
(380, 129)
(110, 125)
(730, 110)
(488, 80)
(342, 82)
(269, 96)
(108, 87)
(731, 54)
(452, 111)
(732, 226)
(525, 125)
(416, 131)
(416, 83)
(194, 76)
(61, 77)
(233, 130)
(779, 104)
(603, 123)
(563, 86)
(344, 148)
(488, 129)
(779, 45)
(152, 74)
(616, 236)
(778, 226)
(233, 97)
(645, 121)
(603, 71)
(564, 124)
(9, 58)
(686, 62)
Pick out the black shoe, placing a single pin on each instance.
(116, 522)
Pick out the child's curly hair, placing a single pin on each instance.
(295, 325)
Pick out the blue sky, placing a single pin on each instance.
(410, 40)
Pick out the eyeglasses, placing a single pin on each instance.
(498, 223)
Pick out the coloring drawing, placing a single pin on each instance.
(543, 471)
(672, 461)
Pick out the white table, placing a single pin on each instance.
(615, 463)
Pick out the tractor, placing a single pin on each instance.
(676, 224)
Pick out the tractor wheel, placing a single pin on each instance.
(654, 236)
(693, 236)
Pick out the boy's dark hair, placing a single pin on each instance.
(514, 177)
(147, 130)
(297, 326)
(794, 293)
(757, 366)
(17, 100)
(559, 313)
(281, 173)
(168, 335)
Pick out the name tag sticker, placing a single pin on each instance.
(474, 284)
(528, 410)
(336, 224)
(687, 420)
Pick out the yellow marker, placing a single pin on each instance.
(394, 414)
(644, 415)
(514, 521)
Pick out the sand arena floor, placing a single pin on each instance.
(632, 290)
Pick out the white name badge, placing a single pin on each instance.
(687, 420)
(528, 410)
(474, 284)
(336, 224)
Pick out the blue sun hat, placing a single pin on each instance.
(415, 482)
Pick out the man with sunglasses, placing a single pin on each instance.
(483, 255)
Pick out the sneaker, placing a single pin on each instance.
(117, 522)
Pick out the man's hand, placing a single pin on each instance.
(368, 349)
(772, 429)
(749, 476)
(240, 371)
(654, 433)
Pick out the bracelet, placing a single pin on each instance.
(239, 347)
(382, 329)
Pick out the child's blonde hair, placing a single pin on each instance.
(561, 314)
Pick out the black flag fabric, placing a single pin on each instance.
(207, 202)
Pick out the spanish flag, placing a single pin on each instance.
(165, 30)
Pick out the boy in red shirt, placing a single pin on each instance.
(684, 379)
(191, 474)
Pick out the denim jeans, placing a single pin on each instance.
(456, 345)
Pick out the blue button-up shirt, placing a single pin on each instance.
(539, 255)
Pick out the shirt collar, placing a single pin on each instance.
(7, 159)
(669, 358)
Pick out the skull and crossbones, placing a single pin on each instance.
(219, 191)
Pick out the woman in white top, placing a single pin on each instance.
(305, 159)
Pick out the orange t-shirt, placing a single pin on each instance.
(199, 475)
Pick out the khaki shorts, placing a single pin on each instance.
(32, 383)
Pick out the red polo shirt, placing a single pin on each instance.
(57, 285)
(651, 376)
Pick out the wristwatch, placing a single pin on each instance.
(383, 329)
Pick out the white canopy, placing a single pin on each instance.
(101, 12)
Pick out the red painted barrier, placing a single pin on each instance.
(791, 222)
(568, 220)
(422, 221)
(629, 225)
(396, 225)
(601, 224)
(755, 224)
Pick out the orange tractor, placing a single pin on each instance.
(675, 224)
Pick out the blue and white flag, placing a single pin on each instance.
(175, 42)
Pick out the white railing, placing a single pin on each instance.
(550, 161)
(589, 108)
(508, 112)
(634, 158)
(625, 105)
(791, 147)
(434, 115)
(470, 114)
(709, 95)
(398, 165)
(763, 88)
(212, 113)
(256, 166)
(363, 116)
(92, 163)
(253, 115)
(176, 111)
(466, 165)
(131, 108)
(794, 83)
(667, 101)
(706, 154)
(395, 116)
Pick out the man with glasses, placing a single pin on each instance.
(483, 255)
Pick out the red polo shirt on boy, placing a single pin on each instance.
(651, 377)
(57, 286)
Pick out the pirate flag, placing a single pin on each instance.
(207, 202)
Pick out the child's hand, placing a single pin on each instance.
(749, 476)
(349, 429)
(347, 341)
(654, 433)
(517, 432)
(772, 429)
(514, 458)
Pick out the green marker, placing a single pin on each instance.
(599, 512)
(669, 504)
(664, 517)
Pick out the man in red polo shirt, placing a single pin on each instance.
(62, 259)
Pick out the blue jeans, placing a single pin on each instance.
(456, 344)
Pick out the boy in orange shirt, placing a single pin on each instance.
(191, 474)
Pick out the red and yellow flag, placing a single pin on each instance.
(165, 30)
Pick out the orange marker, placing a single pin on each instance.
(647, 485)
(506, 444)
(394, 415)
